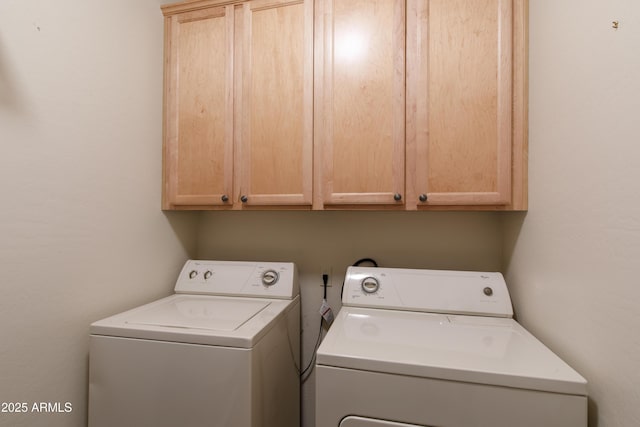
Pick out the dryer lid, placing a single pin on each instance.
(482, 350)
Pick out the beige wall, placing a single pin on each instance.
(82, 236)
(572, 262)
(81, 231)
(316, 240)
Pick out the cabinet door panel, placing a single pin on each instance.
(464, 81)
(274, 64)
(363, 103)
(199, 107)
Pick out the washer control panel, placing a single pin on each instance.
(436, 291)
(239, 278)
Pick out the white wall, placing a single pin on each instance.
(314, 240)
(81, 231)
(572, 262)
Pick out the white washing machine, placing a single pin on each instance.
(223, 351)
(439, 348)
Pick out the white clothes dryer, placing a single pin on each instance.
(223, 351)
(439, 348)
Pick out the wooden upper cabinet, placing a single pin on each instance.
(422, 101)
(346, 104)
(198, 112)
(238, 104)
(466, 86)
(274, 115)
(360, 110)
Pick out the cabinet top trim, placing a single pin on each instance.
(193, 5)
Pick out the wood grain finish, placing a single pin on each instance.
(275, 140)
(193, 5)
(199, 131)
(362, 128)
(238, 104)
(404, 97)
(464, 81)
(519, 150)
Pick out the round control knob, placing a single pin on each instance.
(423, 197)
(488, 291)
(270, 277)
(192, 274)
(370, 285)
(207, 274)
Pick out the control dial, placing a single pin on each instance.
(370, 285)
(207, 274)
(270, 277)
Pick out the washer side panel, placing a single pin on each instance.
(276, 361)
(135, 383)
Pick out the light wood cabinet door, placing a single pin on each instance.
(274, 102)
(465, 103)
(198, 114)
(360, 47)
(238, 104)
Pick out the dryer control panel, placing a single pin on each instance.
(239, 278)
(434, 291)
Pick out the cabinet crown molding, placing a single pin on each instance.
(194, 5)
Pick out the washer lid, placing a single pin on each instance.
(197, 319)
(484, 350)
(193, 312)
